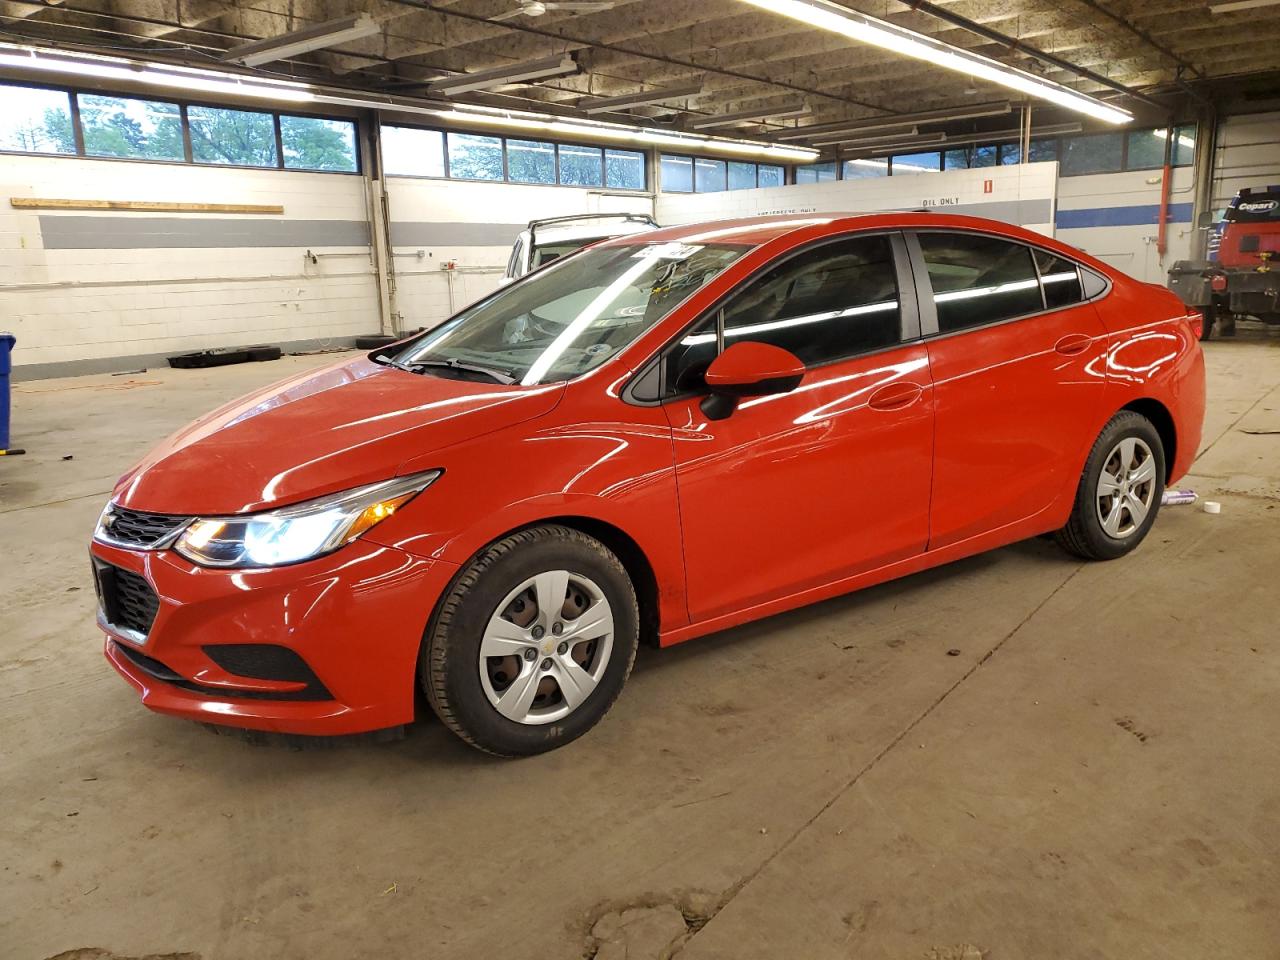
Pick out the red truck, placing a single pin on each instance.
(1241, 278)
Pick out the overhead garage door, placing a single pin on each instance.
(1247, 155)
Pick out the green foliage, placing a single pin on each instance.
(474, 157)
(311, 143)
(119, 127)
(151, 130)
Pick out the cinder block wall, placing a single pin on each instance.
(88, 288)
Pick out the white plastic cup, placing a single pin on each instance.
(1212, 506)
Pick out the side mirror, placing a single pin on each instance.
(749, 369)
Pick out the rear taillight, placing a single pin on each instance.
(1196, 319)
(1218, 283)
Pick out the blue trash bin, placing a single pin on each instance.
(7, 340)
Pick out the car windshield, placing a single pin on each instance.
(570, 317)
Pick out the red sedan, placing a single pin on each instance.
(655, 438)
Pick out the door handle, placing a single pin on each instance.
(1072, 344)
(895, 396)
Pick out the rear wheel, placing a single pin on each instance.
(1119, 492)
(533, 642)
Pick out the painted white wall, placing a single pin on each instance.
(1134, 195)
(1021, 194)
(78, 304)
(487, 217)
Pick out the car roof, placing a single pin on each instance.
(754, 231)
(558, 233)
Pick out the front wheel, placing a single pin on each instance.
(533, 642)
(1119, 493)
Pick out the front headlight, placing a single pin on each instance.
(299, 532)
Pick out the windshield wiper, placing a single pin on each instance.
(500, 376)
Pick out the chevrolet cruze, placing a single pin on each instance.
(657, 437)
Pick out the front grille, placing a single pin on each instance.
(127, 599)
(154, 668)
(133, 528)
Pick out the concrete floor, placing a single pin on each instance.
(1094, 775)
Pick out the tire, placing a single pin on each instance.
(1093, 532)
(493, 605)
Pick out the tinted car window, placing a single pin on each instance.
(978, 279)
(1060, 279)
(835, 300)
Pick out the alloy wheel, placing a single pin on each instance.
(546, 647)
(1126, 487)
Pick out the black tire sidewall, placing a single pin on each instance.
(456, 665)
(1099, 544)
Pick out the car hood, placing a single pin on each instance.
(352, 423)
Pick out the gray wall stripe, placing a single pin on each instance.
(129, 232)
(444, 233)
(80, 368)
(1007, 211)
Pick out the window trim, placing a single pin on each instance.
(924, 288)
(909, 319)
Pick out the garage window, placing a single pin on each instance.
(770, 175)
(313, 143)
(1103, 153)
(906, 163)
(677, 174)
(1145, 148)
(1041, 151)
(863, 169)
(473, 157)
(624, 169)
(410, 152)
(241, 138)
(708, 175)
(978, 279)
(969, 158)
(531, 161)
(816, 173)
(36, 121)
(131, 128)
(581, 166)
(742, 176)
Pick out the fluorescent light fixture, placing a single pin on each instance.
(229, 84)
(179, 78)
(608, 104)
(501, 76)
(968, 139)
(322, 35)
(977, 110)
(786, 111)
(545, 124)
(881, 33)
(1236, 5)
(859, 139)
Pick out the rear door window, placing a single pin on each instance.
(1060, 279)
(979, 279)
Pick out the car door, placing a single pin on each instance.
(796, 490)
(1016, 357)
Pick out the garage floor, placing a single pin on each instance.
(1093, 775)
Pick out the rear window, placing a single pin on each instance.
(978, 279)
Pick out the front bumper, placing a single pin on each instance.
(354, 619)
